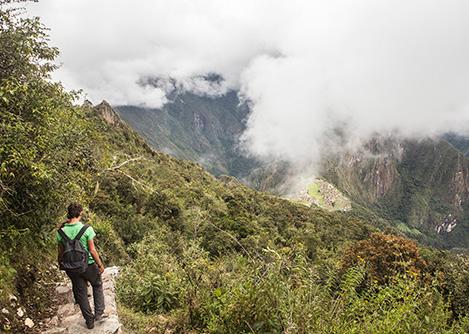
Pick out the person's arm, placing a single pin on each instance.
(95, 255)
(60, 253)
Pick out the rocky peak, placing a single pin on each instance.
(105, 111)
(87, 104)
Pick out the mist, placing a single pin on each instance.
(304, 67)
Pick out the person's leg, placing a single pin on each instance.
(93, 275)
(80, 292)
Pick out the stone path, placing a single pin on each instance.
(69, 319)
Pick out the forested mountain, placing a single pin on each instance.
(200, 128)
(420, 185)
(197, 254)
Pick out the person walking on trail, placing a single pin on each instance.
(79, 258)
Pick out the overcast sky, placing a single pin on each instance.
(306, 66)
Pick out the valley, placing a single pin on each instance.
(421, 186)
(196, 236)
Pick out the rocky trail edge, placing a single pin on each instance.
(69, 319)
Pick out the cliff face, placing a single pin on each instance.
(459, 142)
(421, 184)
(105, 111)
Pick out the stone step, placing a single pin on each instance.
(69, 319)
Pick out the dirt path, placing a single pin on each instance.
(69, 319)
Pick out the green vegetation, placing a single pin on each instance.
(207, 132)
(198, 254)
(419, 187)
(315, 192)
(459, 142)
(407, 230)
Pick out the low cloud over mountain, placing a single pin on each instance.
(305, 66)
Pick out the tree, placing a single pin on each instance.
(44, 139)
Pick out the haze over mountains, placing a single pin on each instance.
(305, 68)
(420, 185)
(318, 77)
(206, 130)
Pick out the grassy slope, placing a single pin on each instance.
(172, 191)
(418, 200)
(198, 244)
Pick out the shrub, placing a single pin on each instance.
(110, 246)
(384, 256)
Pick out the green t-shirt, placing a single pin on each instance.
(71, 230)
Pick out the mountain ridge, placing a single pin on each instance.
(207, 132)
(379, 162)
(197, 254)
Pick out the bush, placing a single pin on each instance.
(384, 257)
(109, 244)
(154, 280)
(7, 276)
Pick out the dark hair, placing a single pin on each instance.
(74, 210)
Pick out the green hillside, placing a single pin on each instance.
(418, 185)
(418, 194)
(199, 128)
(198, 254)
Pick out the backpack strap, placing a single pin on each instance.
(63, 235)
(80, 234)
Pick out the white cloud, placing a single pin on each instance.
(378, 65)
(107, 46)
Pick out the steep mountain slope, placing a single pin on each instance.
(459, 142)
(141, 200)
(199, 128)
(420, 185)
(212, 254)
(416, 184)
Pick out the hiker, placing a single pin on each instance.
(79, 258)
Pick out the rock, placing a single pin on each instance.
(61, 290)
(12, 299)
(20, 312)
(6, 324)
(54, 321)
(111, 272)
(105, 111)
(5, 311)
(29, 323)
(64, 294)
(87, 104)
(65, 310)
(57, 330)
(69, 318)
(109, 326)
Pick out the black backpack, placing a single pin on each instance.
(75, 256)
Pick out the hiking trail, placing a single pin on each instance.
(69, 319)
